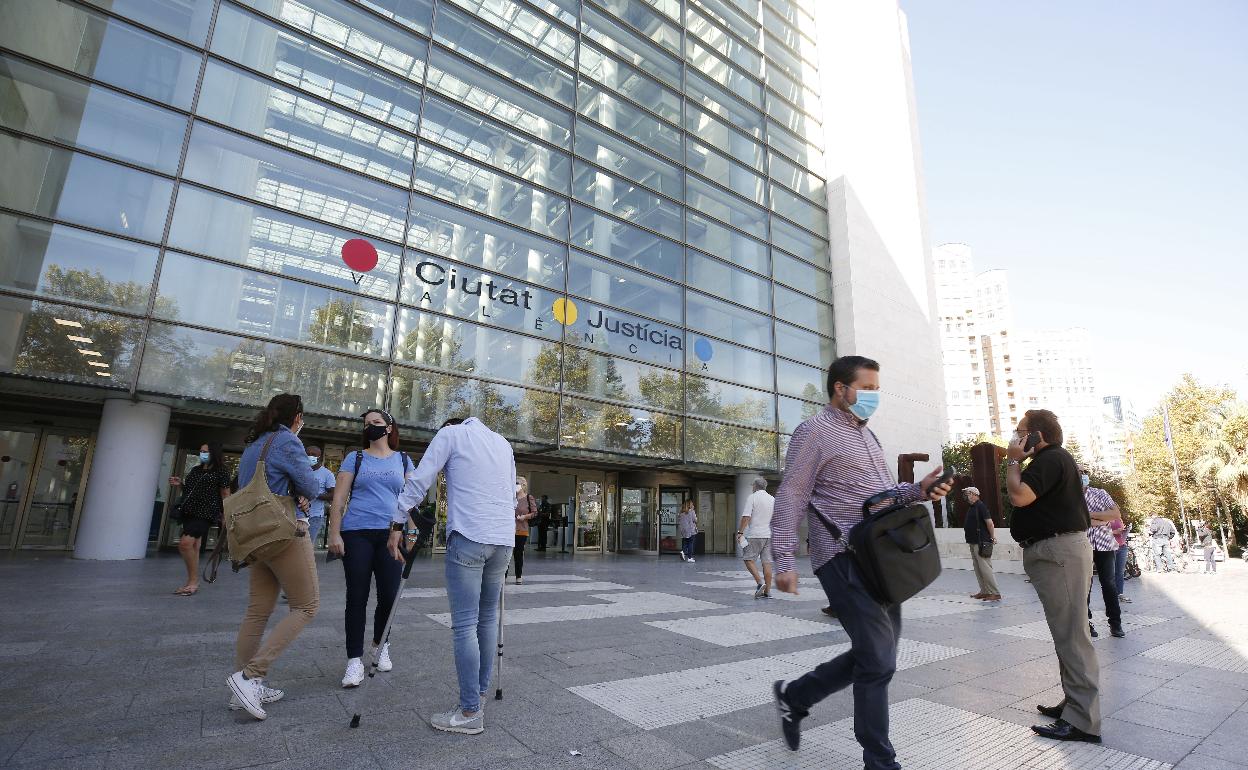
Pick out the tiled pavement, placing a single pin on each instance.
(631, 662)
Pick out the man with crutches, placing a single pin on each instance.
(480, 535)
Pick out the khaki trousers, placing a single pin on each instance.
(1060, 568)
(983, 572)
(293, 571)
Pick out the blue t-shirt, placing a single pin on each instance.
(376, 495)
(325, 480)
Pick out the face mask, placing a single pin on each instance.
(313, 460)
(204, 457)
(374, 432)
(866, 404)
(1085, 480)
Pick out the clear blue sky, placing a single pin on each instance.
(1098, 151)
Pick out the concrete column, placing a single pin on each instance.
(117, 512)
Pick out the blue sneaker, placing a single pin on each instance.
(790, 717)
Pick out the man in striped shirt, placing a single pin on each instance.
(1103, 510)
(834, 464)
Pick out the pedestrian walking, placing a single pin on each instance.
(290, 568)
(368, 486)
(325, 481)
(834, 464)
(981, 531)
(200, 509)
(480, 525)
(1103, 511)
(526, 511)
(543, 523)
(1205, 535)
(1160, 530)
(1050, 523)
(755, 527)
(688, 526)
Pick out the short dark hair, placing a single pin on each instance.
(845, 370)
(1046, 422)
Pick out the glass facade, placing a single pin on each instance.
(599, 225)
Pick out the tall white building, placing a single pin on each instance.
(1120, 425)
(996, 322)
(1053, 370)
(966, 391)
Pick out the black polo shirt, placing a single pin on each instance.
(1059, 505)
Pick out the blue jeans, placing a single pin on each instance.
(686, 545)
(315, 524)
(868, 665)
(474, 582)
(1120, 567)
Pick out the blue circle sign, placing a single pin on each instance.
(703, 350)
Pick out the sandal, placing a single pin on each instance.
(184, 591)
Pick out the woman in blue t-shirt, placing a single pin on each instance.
(361, 536)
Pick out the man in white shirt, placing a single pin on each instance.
(756, 527)
(480, 534)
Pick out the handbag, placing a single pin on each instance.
(985, 550)
(258, 523)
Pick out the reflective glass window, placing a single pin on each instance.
(805, 382)
(41, 102)
(732, 403)
(427, 399)
(59, 342)
(300, 122)
(718, 134)
(270, 239)
(726, 243)
(629, 46)
(729, 15)
(487, 298)
(641, 15)
(799, 210)
(802, 310)
(321, 69)
(414, 14)
(186, 21)
(353, 29)
(617, 333)
(727, 321)
(101, 48)
(193, 363)
(795, 147)
(620, 429)
(628, 160)
(795, 92)
(632, 82)
(625, 243)
(253, 169)
(802, 275)
(782, 56)
(631, 121)
(794, 119)
(723, 361)
(613, 284)
(718, 444)
(619, 379)
(64, 262)
(456, 345)
(626, 199)
(792, 13)
(526, 24)
(725, 206)
(733, 49)
(725, 280)
(727, 172)
(488, 141)
(453, 178)
(795, 240)
(82, 190)
(797, 178)
(712, 97)
(794, 412)
(476, 40)
(803, 345)
(788, 33)
(450, 231)
(722, 72)
(493, 96)
(205, 293)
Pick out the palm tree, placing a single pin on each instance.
(1223, 458)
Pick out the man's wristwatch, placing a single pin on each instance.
(397, 526)
(1008, 463)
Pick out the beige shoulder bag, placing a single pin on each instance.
(258, 523)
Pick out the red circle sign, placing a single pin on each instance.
(359, 255)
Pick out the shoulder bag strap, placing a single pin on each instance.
(359, 460)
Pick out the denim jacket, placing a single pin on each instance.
(286, 466)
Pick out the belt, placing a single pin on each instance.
(1033, 540)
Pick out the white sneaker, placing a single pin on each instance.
(692, 560)
(248, 693)
(519, 581)
(683, 557)
(355, 673)
(383, 661)
(267, 695)
(454, 721)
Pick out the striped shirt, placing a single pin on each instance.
(1100, 536)
(833, 465)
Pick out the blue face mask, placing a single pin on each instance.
(865, 405)
(204, 457)
(313, 460)
(1085, 480)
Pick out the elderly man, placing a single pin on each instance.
(981, 531)
(756, 528)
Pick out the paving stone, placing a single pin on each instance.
(1171, 720)
(1201, 652)
(744, 628)
(647, 750)
(614, 606)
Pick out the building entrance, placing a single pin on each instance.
(43, 474)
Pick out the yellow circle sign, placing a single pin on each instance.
(565, 311)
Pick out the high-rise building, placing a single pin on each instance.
(995, 318)
(966, 377)
(1055, 370)
(1119, 426)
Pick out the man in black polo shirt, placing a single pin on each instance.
(1050, 519)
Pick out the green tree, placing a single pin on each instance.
(1222, 464)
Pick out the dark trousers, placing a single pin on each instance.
(686, 545)
(1106, 572)
(366, 558)
(542, 531)
(517, 555)
(868, 665)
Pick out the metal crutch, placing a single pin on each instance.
(498, 668)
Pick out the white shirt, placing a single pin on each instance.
(759, 507)
(480, 482)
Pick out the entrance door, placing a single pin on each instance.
(637, 519)
(589, 518)
(188, 458)
(43, 474)
(671, 500)
(17, 462)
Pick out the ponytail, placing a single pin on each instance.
(282, 410)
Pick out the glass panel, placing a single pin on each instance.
(724, 361)
(59, 342)
(588, 516)
(522, 23)
(718, 134)
(803, 345)
(792, 90)
(744, 25)
(619, 379)
(629, 46)
(730, 174)
(193, 363)
(715, 99)
(803, 310)
(628, 160)
(797, 178)
(232, 299)
(617, 333)
(439, 342)
(794, 119)
(714, 36)
(427, 399)
(719, 70)
(290, 119)
(54, 502)
(18, 450)
(604, 281)
(60, 261)
(800, 242)
(321, 70)
(597, 103)
(440, 228)
(804, 382)
(795, 147)
(487, 93)
(494, 143)
(464, 292)
(720, 278)
(626, 200)
(642, 17)
(279, 178)
(473, 186)
(778, 25)
(717, 444)
(611, 428)
(724, 242)
(481, 43)
(802, 275)
(187, 21)
(355, 30)
(113, 52)
(632, 82)
(724, 206)
(713, 316)
(636, 519)
(782, 56)
(272, 240)
(41, 102)
(799, 210)
(625, 243)
(794, 412)
(51, 182)
(733, 403)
